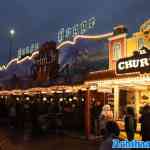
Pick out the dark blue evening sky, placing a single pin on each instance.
(40, 20)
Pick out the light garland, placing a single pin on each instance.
(137, 82)
(17, 61)
(20, 61)
(84, 37)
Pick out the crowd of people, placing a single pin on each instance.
(108, 128)
(43, 113)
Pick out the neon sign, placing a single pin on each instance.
(77, 29)
(27, 51)
(2, 66)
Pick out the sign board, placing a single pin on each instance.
(139, 62)
(77, 29)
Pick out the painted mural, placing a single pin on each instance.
(75, 61)
(86, 55)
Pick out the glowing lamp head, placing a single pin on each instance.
(27, 98)
(12, 32)
(44, 99)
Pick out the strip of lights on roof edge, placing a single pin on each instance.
(60, 46)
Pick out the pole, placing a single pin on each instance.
(116, 102)
(87, 115)
(10, 48)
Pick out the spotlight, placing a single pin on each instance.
(61, 99)
(17, 98)
(27, 98)
(44, 99)
(70, 99)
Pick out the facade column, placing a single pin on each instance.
(137, 102)
(87, 114)
(116, 102)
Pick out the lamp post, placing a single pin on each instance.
(12, 33)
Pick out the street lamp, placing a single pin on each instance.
(12, 33)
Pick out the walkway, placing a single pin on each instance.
(11, 141)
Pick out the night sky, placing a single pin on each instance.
(40, 20)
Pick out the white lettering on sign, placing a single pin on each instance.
(2, 67)
(135, 63)
(144, 62)
(142, 52)
(77, 29)
(121, 66)
(22, 52)
(139, 62)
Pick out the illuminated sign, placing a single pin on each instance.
(77, 29)
(146, 26)
(27, 51)
(2, 67)
(139, 62)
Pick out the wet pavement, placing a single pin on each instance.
(10, 140)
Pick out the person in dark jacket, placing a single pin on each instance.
(97, 108)
(145, 123)
(130, 123)
(112, 132)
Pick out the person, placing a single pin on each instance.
(106, 115)
(97, 108)
(107, 112)
(130, 123)
(112, 132)
(145, 123)
(12, 115)
(34, 117)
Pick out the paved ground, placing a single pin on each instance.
(11, 141)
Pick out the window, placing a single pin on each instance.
(140, 43)
(116, 51)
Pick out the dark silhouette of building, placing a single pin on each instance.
(47, 62)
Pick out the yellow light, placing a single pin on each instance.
(27, 98)
(44, 99)
(59, 92)
(70, 99)
(43, 92)
(75, 98)
(82, 100)
(68, 91)
(93, 87)
(61, 99)
(17, 98)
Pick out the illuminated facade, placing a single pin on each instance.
(130, 83)
(139, 39)
(128, 86)
(120, 45)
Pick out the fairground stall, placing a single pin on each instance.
(111, 69)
